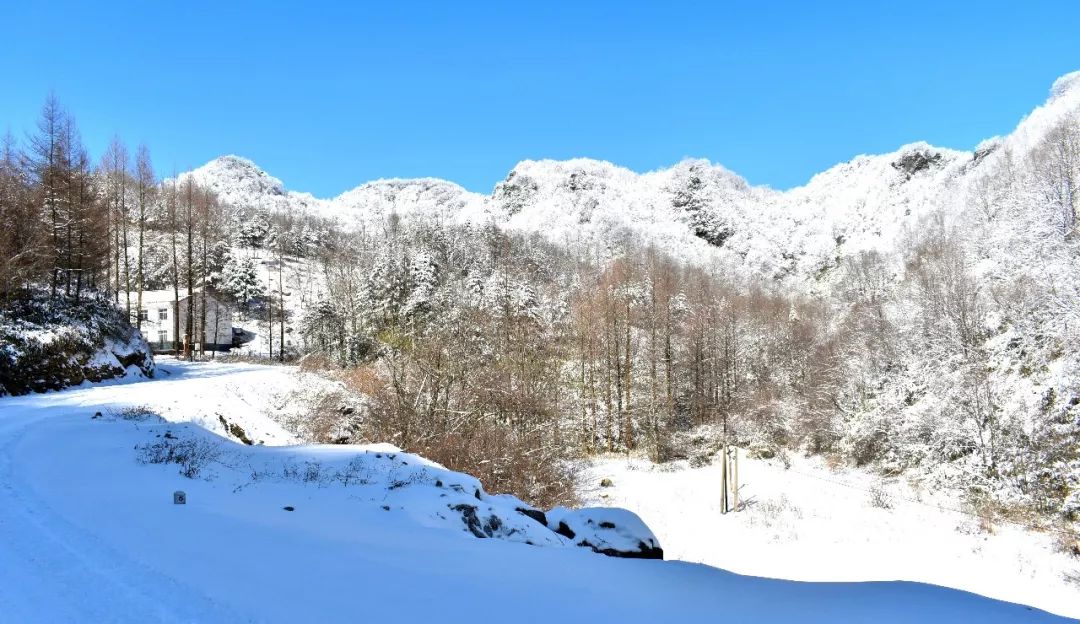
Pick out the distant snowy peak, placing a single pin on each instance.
(1069, 83)
(1064, 101)
(689, 210)
(406, 197)
(241, 183)
(233, 175)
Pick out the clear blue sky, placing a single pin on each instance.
(328, 95)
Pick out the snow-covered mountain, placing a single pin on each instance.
(239, 182)
(695, 210)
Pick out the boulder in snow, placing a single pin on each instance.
(607, 530)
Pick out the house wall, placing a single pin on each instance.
(159, 332)
(218, 320)
(159, 326)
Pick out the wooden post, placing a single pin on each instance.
(735, 477)
(724, 481)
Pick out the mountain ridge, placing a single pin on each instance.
(696, 210)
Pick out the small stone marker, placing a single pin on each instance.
(179, 498)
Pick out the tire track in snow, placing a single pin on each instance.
(51, 571)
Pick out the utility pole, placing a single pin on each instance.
(735, 477)
(270, 310)
(724, 480)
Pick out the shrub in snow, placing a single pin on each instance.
(880, 497)
(1071, 507)
(608, 531)
(700, 460)
(191, 454)
(136, 413)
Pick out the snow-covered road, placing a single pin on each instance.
(54, 571)
(88, 534)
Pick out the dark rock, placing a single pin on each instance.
(609, 531)
(988, 147)
(607, 483)
(916, 161)
(482, 529)
(472, 521)
(535, 514)
(644, 551)
(235, 430)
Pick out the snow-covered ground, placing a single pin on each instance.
(810, 523)
(88, 532)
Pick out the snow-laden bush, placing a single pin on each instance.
(879, 496)
(192, 455)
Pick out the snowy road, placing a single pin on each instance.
(88, 534)
(53, 571)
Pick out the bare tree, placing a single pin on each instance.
(145, 185)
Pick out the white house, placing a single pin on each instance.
(159, 315)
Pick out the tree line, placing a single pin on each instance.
(71, 226)
(509, 356)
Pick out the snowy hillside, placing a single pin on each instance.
(438, 199)
(695, 210)
(806, 522)
(89, 532)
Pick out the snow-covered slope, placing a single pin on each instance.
(89, 532)
(803, 521)
(696, 211)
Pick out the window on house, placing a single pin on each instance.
(144, 315)
(163, 314)
(162, 336)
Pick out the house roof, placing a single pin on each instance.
(152, 297)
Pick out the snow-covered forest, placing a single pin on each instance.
(915, 312)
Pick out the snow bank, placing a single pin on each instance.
(812, 524)
(89, 532)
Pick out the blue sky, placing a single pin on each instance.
(326, 96)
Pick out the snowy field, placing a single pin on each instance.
(89, 533)
(809, 523)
